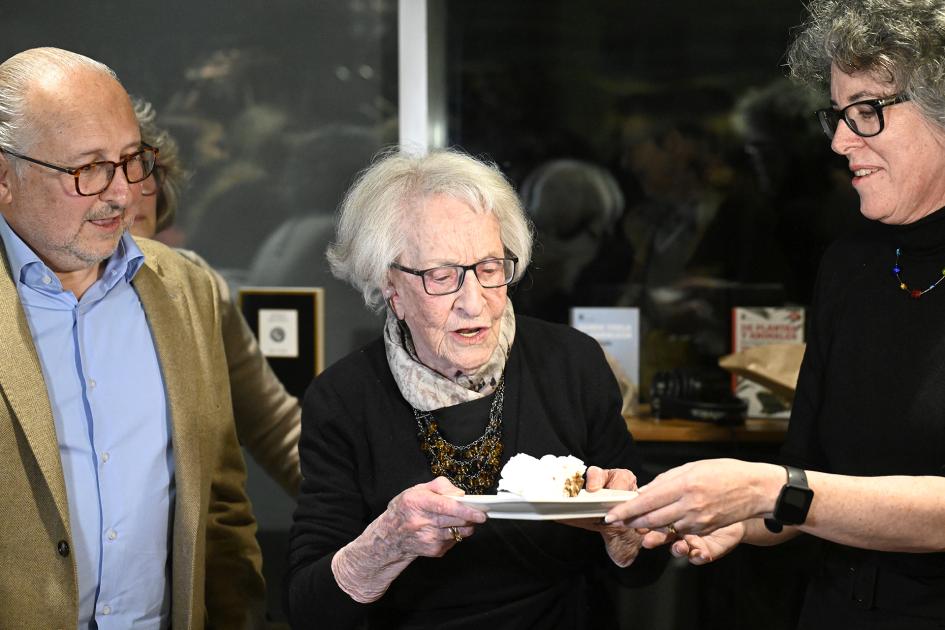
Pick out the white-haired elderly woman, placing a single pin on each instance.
(868, 424)
(456, 385)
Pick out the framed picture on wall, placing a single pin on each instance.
(289, 324)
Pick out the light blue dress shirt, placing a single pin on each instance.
(108, 401)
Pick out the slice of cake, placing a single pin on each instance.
(546, 478)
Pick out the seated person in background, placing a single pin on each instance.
(267, 416)
(456, 385)
(867, 423)
(121, 479)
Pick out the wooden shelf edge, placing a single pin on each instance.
(649, 429)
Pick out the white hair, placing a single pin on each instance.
(376, 214)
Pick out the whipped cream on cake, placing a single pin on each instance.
(545, 478)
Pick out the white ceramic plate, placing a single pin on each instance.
(513, 506)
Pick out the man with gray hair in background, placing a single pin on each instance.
(121, 478)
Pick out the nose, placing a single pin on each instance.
(844, 140)
(119, 191)
(470, 297)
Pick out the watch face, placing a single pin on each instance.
(793, 505)
(796, 500)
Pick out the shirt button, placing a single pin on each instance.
(92, 383)
(46, 279)
(111, 534)
(106, 609)
(105, 457)
(63, 548)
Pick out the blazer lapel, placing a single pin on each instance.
(23, 385)
(162, 302)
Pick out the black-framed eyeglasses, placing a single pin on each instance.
(93, 178)
(864, 118)
(152, 184)
(492, 273)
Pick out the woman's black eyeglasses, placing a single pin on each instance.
(491, 273)
(864, 118)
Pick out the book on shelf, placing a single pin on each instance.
(762, 325)
(617, 330)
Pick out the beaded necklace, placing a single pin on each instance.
(474, 467)
(913, 293)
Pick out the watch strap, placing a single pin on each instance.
(796, 477)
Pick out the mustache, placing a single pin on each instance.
(108, 213)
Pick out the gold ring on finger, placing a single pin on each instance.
(671, 528)
(454, 532)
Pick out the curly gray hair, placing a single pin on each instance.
(375, 216)
(899, 41)
(169, 171)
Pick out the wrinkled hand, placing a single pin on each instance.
(622, 544)
(700, 497)
(616, 478)
(417, 521)
(699, 549)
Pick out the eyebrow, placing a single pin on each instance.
(862, 95)
(445, 263)
(99, 154)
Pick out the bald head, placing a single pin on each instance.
(45, 70)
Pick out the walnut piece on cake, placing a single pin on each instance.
(573, 484)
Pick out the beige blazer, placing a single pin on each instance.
(216, 578)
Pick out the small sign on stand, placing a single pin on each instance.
(288, 323)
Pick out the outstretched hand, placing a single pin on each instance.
(700, 497)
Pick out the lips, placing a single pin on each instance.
(108, 223)
(469, 332)
(863, 170)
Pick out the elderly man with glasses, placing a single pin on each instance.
(122, 479)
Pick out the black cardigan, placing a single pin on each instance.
(359, 449)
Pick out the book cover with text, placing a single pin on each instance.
(757, 326)
(617, 329)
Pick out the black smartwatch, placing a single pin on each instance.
(793, 502)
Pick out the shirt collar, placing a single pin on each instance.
(125, 261)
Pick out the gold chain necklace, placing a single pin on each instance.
(475, 467)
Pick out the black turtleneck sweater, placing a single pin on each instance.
(871, 393)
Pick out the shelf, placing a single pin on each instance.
(648, 429)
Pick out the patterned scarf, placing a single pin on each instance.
(426, 389)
